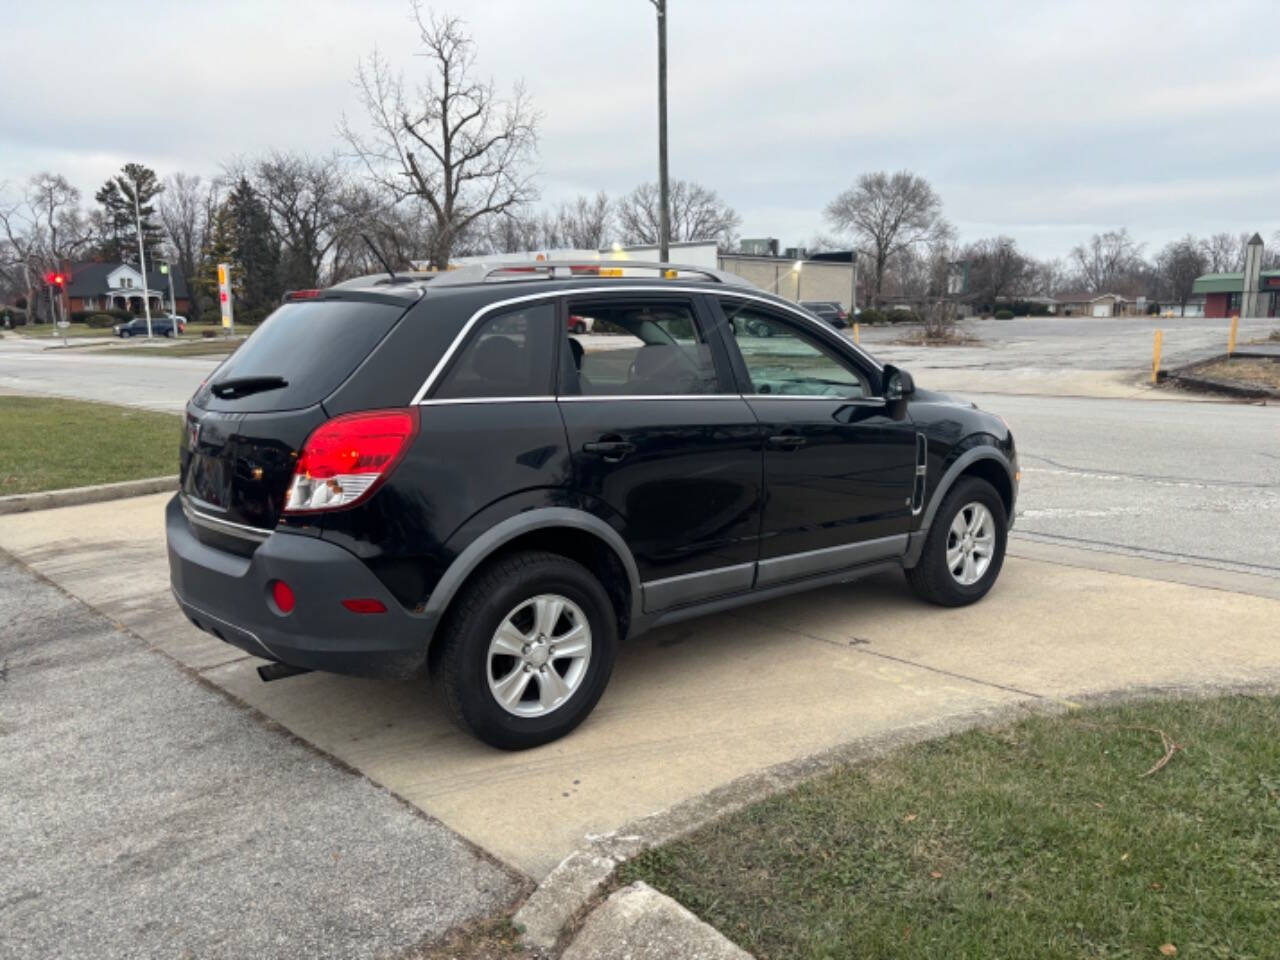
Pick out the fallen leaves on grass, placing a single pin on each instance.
(1168, 949)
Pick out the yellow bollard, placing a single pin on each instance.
(1231, 339)
(856, 339)
(1155, 360)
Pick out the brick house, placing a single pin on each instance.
(93, 286)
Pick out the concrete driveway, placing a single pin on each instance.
(695, 706)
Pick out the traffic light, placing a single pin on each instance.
(55, 279)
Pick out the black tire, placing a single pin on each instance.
(169, 332)
(460, 662)
(125, 334)
(579, 327)
(930, 578)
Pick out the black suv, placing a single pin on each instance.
(828, 310)
(429, 475)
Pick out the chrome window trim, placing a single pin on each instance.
(721, 291)
(223, 526)
(596, 397)
(454, 401)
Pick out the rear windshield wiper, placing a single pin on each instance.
(234, 387)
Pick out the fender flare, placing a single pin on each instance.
(493, 539)
(984, 452)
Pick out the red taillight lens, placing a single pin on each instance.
(344, 459)
(282, 595)
(301, 295)
(365, 605)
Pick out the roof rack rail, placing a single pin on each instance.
(565, 269)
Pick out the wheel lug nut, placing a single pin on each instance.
(525, 649)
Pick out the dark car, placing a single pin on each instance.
(161, 326)
(828, 310)
(429, 476)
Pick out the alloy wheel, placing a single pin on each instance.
(971, 543)
(539, 655)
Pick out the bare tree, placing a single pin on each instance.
(1045, 278)
(996, 269)
(1222, 252)
(186, 212)
(451, 143)
(586, 223)
(39, 232)
(888, 213)
(1108, 260)
(697, 213)
(304, 197)
(1177, 267)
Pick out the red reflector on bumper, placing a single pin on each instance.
(282, 594)
(365, 605)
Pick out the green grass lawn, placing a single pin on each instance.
(50, 444)
(1038, 839)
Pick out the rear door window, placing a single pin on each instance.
(641, 348)
(312, 347)
(508, 354)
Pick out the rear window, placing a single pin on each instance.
(312, 346)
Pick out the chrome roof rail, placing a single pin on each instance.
(514, 272)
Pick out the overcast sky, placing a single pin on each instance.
(1044, 120)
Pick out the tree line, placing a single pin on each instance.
(444, 167)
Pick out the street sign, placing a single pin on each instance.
(224, 296)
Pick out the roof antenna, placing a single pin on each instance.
(378, 253)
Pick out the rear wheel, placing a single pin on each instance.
(169, 332)
(527, 650)
(579, 327)
(964, 550)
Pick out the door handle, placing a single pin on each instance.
(787, 441)
(611, 449)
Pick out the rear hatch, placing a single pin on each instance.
(247, 423)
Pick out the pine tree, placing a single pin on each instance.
(220, 248)
(256, 258)
(116, 199)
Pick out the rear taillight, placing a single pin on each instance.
(345, 459)
(292, 295)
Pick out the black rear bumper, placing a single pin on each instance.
(227, 595)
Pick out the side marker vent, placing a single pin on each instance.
(922, 474)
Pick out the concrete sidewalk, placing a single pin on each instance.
(145, 815)
(697, 705)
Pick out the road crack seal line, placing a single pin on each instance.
(1123, 549)
(1146, 477)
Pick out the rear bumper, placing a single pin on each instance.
(227, 595)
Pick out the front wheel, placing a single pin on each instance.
(527, 650)
(964, 550)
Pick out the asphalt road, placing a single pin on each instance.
(144, 814)
(1188, 482)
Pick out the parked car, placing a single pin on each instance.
(828, 310)
(428, 477)
(580, 324)
(163, 325)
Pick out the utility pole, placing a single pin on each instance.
(142, 260)
(664, 201)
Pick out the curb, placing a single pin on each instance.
(639, 923)
(51, 499)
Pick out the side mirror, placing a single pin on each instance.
(898, 384)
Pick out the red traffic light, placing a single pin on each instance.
(56, 279)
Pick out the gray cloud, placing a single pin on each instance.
(1044, 120)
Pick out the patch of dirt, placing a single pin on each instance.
(1253, 371)
(955, 340)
